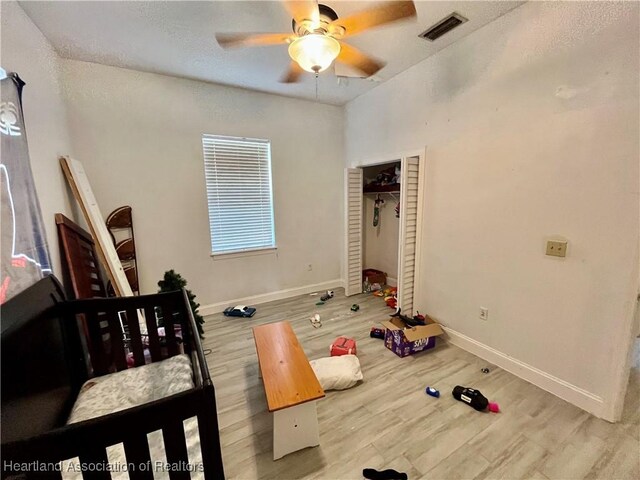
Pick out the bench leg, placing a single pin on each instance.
(295, 428)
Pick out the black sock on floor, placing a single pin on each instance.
(383, 475)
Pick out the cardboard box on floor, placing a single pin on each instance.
(404, 340)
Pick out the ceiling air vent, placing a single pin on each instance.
(443, 26)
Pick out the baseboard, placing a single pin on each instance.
(392, 282)
(269, 297)
(565, 390)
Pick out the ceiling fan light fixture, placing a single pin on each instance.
(314, 52)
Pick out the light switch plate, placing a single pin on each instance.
(557, 248)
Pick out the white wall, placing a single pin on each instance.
(26, 51)
(139, 138)
(531, 127)
(380, 244)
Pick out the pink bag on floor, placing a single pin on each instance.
(343, 346)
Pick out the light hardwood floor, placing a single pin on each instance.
(388, 421)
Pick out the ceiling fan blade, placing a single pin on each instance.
(380, 15)
(302, 9)
(293, 74)
(230, 40)
(356, 59)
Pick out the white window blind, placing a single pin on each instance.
(238, 177)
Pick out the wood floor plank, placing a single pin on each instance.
(387, 421)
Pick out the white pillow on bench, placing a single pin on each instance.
(337, 373)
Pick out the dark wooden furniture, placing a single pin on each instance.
(79, 253)
(121, 220)
(82, 272)
(43, 368)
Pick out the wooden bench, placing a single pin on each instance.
(291, 387)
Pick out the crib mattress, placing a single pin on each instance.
(130, 388)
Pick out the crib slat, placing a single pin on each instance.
(136, 338)
(152, 331)
(175, 447)
(136, 450)
(169, 329)
(94, 464)
(210, 443)
(97, 353)
(117, 346)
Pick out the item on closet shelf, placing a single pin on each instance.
(355, 307)
(386, 180)
(327, 296)
(239, 311)
(433, 392)
(315, 321)
(377, 332)
(343, 346)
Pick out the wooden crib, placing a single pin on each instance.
(44, 365)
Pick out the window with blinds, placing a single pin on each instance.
(238, 176)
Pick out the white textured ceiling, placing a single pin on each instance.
(177, 38)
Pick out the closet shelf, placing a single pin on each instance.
(378, 192)
(388, 188)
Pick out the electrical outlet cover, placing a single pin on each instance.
(557, 248)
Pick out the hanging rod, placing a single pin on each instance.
(393, 194)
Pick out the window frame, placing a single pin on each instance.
(208, 160)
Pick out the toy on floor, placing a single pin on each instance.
(389, 474)
(474, 398)
(239, 311)
(315, 321)
(343, 346)
(414, 322)
(327, 296)
(355, 307)
(377, 332)
(391, 301)
(433, 392)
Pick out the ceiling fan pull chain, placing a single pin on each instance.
(316, 85)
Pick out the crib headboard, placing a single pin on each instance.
(41, 370)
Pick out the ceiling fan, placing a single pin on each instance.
(317, 36)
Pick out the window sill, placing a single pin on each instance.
(244, 253)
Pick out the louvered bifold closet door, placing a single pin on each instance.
(353, 231)
(408, 233)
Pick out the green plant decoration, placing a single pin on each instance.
(173, 281)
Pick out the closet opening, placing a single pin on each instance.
(382, 216)
(381, 224)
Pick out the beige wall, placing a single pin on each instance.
(26, 51)
(531, 127)
(139, 138)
